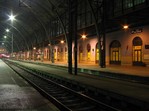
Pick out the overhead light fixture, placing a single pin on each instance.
(62, 41)
(11, 17)
(34, 48)
(5, 36)
(83, 36)
(125, 26)
(7, 30)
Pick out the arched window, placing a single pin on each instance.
(115, 57)
(137, 41)
(137, 51)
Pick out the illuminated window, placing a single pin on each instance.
(137, 49)
(115, 57)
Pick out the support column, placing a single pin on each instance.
(72, 34)
(100, 28)
(75, 37)
(103, 42)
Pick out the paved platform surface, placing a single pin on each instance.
(138, 74)
(17, 95)
(121, 69)
(134, 90)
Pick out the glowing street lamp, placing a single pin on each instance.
(12, 17)
(125, 26)
(83, 36)
(7, 30)
(5, 36)
(34, 48)
(62, 41)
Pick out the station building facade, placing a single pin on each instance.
(123, 47)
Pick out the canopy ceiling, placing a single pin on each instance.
(32, 17)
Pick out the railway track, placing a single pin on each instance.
(63, 97)
(101, 74)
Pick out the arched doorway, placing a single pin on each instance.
(115, 57)
(137, 51)
(97, 53)
(88, 52)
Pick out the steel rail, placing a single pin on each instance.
(64, 98)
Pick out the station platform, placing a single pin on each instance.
(119, 69)
(138, 74)
(134, 90)
(17, 95)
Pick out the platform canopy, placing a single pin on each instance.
(31, 21)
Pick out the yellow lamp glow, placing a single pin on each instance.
(125, 26)
(62, 41)
(83, 36)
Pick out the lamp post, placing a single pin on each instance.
(11, 18)
(7, 30)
